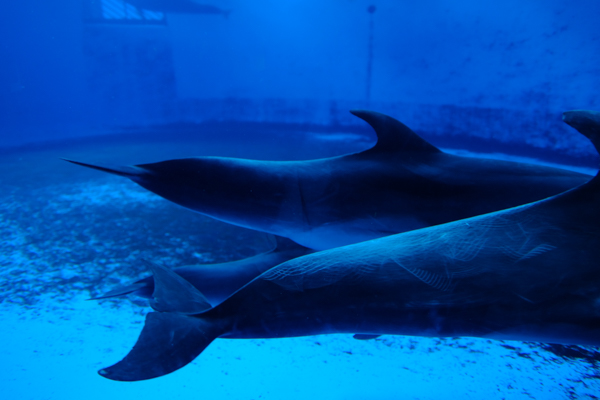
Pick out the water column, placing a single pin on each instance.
(371, 10)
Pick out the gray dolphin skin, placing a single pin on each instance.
(218, 281)
(525, 273)
(178, 7)
(400, 184)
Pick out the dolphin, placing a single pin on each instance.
(219, 281)
(526, 273)
(400, 184)
(178, 7)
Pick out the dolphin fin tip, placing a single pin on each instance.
(586, 122)
(357, 112)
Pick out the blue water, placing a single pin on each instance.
(104, 81)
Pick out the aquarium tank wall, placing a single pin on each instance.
(486, 69)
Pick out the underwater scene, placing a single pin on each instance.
(335, 199)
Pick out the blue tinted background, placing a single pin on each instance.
(273, 80)
(485, 68)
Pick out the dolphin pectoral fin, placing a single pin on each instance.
(172, 293)
(122, 291)
(167, 342)
(360, 336)
(126, 171)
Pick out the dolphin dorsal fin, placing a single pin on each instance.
(393, 136)
(588, 124)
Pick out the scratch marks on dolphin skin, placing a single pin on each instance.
(452, 254)
(297, 276)
(305, 273)
(499, 234)
(522, 243)
(467, 249)
(436, 281)
(542, 248)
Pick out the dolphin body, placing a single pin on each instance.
(400, 184)
(218, 281)
(525, 273)
(178, 7)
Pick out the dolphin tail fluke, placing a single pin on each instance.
(170, 339)
(126, 171)
(168, 342)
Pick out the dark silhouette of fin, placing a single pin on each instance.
(588, 124)
(283, 243)
(144, 287)
(167, 342)
(172, 293)
(124, 170)
(393, 136)
(122, 291)
(360, 336)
